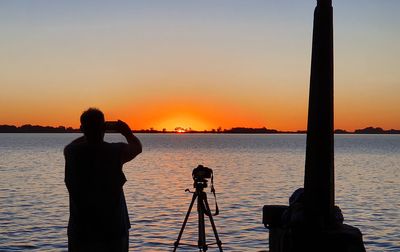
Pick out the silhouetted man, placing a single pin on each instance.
(99, 218)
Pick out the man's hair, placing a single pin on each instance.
(92, 121)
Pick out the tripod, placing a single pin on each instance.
(202, 208)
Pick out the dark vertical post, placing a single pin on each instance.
(319, 168)
(319, 230)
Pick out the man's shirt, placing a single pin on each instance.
(94, 178)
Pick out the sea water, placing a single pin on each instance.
(250, 171)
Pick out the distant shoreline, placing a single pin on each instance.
(236, 130)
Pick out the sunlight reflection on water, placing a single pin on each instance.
(250, 171)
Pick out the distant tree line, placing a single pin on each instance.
(369, 130)
(28, 128)
(242, 130)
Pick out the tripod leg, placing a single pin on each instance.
(202, 231)
(176, 244)
(219, 243)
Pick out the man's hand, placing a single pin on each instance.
(123, 128)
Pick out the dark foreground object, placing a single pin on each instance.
(200, 176)
(312, 222)
(290, 237)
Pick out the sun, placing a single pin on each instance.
(180, 130)
(182, 124)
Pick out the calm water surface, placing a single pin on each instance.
(250, 171)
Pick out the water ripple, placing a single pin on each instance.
(250, 171)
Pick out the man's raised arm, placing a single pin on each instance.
(134, 146)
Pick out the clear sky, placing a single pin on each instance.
(199, 64)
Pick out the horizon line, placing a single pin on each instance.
(236, 129)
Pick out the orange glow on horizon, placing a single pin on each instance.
(187, 113)
(212, 115)
(186, 122)
(192, 111)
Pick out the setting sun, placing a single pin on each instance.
(182, 123)
(179, 130)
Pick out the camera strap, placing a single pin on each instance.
(215, 196)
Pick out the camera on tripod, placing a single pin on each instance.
(200, 174)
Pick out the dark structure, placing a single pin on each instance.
(319, 171)
(312, 222)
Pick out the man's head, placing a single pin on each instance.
(92, 125)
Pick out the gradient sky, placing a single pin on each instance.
(199, 64)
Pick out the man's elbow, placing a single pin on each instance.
(132, 151)
(138, 150)
(135, 151)
(66, 150)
